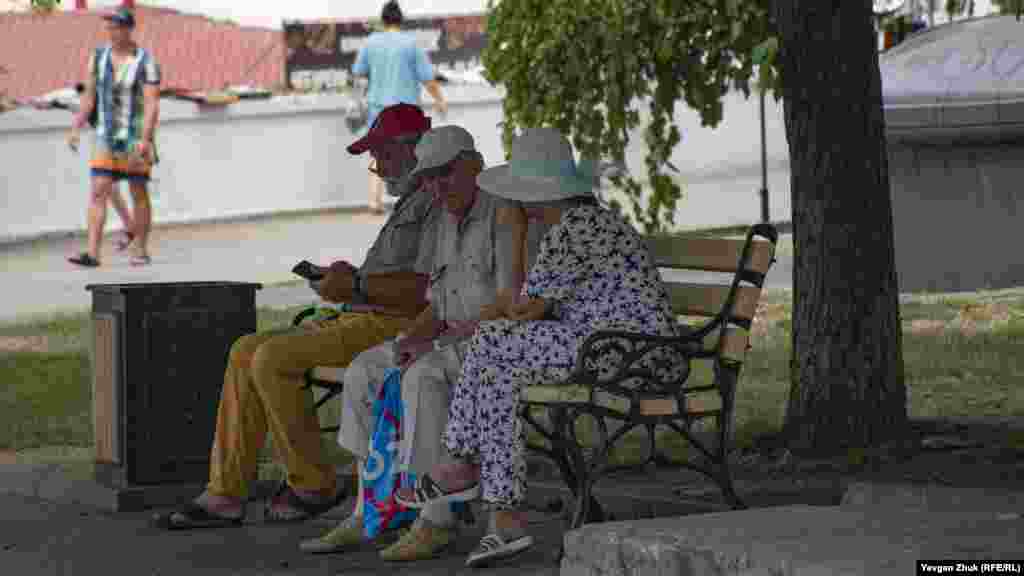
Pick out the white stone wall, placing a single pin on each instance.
(254, 157)
(260, 157)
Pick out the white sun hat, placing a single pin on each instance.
(541, 169)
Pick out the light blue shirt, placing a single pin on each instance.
(396, 67)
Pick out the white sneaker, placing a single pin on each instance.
(493, 547)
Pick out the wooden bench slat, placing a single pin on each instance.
(705, 401)
(658, 407)
(709, 254)
(734, 342)
(691, 299)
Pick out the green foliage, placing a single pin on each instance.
(588, 67)
(958, 7)
(1009, 6)
(45, 5)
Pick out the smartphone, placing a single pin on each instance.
(308, 270)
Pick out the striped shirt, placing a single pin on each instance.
(119, 94)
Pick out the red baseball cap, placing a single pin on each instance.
(392, 122)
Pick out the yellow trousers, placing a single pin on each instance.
(262, 393)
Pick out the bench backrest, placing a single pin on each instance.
(705, 295)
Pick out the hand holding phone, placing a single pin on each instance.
(308, 270)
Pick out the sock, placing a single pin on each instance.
(508, 534)
(358, 511)
(439, 514)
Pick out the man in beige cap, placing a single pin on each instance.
(475, 259)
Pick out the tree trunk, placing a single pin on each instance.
(847, 387)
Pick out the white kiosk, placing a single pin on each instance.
(954, 110)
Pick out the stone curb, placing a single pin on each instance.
(932, 498)
(790, 540)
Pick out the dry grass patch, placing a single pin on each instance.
(961, 356)
(961, 353)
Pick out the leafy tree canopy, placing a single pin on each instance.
(587, 67)
(45, 5)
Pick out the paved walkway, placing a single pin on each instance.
(58, 537)
(46, 538)
(38, 281)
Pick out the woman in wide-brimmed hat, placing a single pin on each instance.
(593, 273)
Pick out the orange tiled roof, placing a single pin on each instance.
(41, 53)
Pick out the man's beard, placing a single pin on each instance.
(397, 185)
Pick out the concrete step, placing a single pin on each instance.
(791, 540)
(932, 498)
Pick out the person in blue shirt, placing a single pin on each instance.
(396, 68)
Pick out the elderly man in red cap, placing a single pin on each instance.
(263, 384)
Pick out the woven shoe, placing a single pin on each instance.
(425, 540)
(347, 534)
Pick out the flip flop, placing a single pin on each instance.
(493, 547)
(306, 510)
(142, 260)
(193, 516)
(427, 491)
(85, 260)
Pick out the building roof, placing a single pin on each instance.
(46, 52)
(967, 75)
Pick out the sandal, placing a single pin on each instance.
(494, 547)
(85, 260)
(193, 516)
(140, 260)
(305, 509)
(427, 491)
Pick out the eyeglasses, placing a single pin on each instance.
(438, 172)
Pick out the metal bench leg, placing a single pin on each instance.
(331, 393)
(728, 492)
(575, 470)
(724, 474)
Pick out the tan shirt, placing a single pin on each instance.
(473, 261)
(407, 240)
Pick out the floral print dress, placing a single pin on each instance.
(595, 270)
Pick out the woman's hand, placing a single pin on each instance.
(499, 309)
(73, 139)
(462, 328)
(529, 309)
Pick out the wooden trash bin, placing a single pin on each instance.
(158, 356)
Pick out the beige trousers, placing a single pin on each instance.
(426, 386)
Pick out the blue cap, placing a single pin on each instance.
(122, 17)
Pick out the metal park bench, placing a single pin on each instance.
(635, 397)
